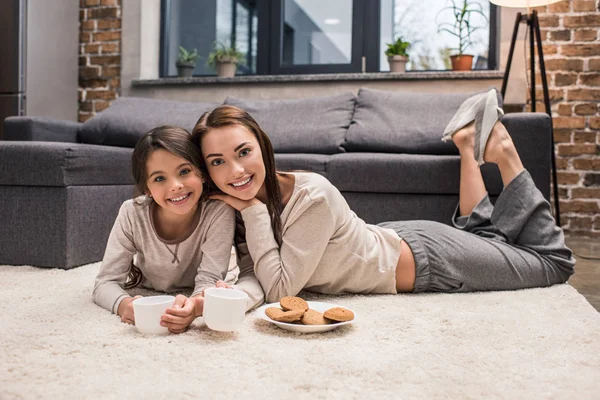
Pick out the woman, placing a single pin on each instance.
(301, 233)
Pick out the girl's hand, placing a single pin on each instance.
(234, 202)
(219, 284)
(125, 310)
(185, 310)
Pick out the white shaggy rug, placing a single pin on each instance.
(539, 343)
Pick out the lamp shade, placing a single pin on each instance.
(523, 3)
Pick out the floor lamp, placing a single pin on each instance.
(531, 19)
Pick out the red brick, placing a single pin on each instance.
(88, 25)
(564, 109)
(84, 116)
(560, 36)
(564, 64)
(89, 72)
(560, 7)
(561, 79)
(582, 6)
(554, 94)
(587, 164)
(110, 48)
(562, 135)
(105, 60)
(583, 21)
(114, 83)
(583, 94)
(101, 94)
(82, 60)
(585, 35)
(102, 13)
(111, 71)
(569, 122)
(577, 149)
(562, 163)
(92, 3)
(85, 37)
(584, 137)
(579, 223)
(107, 36)
(567, 178)
(585, 109)
(591, 179)
(590, 79)
(549, 49)
(586, 193)
(86, 106)
(83, 15)
(594, 123)
(549, 21)
(101, 105)
(106, 24)
(92, 48)
(109, 2)
(92, 83)
(579, 206)
(580, 50)
(594, 64)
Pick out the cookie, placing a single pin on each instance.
(277, 314)
(293, 303)
(312, 317)
(339, 314)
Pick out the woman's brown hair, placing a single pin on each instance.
(173, 139)
(227, 115)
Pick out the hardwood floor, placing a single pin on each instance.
(587, 269)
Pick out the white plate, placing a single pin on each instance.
(315, 305)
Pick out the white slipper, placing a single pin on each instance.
(481, 108)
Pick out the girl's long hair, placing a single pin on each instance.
(173, 139)
(227, 115)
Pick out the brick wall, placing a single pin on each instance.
(99, 55)
(571, 43)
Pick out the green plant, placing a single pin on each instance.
(462, 28)
(224, 53)
(187, 57)
(398, 48)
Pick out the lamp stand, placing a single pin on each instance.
(535, 35)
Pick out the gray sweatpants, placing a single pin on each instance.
(512, 245)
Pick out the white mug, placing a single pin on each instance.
(224, 309)
(147, 312)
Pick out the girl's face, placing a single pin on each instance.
(234, 161)
(173, 182)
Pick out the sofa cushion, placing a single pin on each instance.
(403, 173)
(129, 118)
(63, 164)
(402, 122)
(302, 162)
(314, 125)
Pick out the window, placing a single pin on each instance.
(317, 36)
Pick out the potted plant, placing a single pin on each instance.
(186, 62)
(462, 29)
(397, 54)
(225, 59)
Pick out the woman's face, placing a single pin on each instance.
(234, 161)
(173, 182)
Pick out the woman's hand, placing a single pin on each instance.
(185, 310)
(125, 310)
(234, 202)
(219, 284)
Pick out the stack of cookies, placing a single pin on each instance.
(296, 310)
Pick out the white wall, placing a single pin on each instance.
(52, 58)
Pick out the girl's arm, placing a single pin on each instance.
(284, 270)
(216, 247)
(116, 263)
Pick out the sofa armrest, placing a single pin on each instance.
(532, 135)
(40, 129)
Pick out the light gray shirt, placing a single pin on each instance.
(196, 261)
(326, 247)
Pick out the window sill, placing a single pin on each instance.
(369, 76)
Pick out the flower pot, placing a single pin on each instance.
(397, 63)
(462, 62)
(185, 70)
(226, 69)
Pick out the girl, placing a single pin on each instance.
(169, 239)
(301, 234)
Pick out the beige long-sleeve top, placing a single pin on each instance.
(326, 247)
(197, 261)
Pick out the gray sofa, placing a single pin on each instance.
(61, 183)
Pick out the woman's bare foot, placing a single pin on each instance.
(499, 145)
(464, 139)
